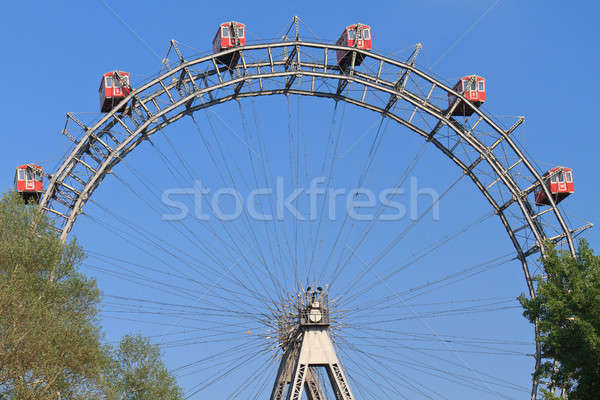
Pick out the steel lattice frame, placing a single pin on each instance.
(397, 90)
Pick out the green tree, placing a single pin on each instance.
(50, 344)
(567, 307)
(138, 373)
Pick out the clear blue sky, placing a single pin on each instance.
(540, 61)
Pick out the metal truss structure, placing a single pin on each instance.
(397, 90)
(309, 348)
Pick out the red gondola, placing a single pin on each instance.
(357, 35)
(29, 182)
(229, 35)
(473, 88)
(559, 181)
(114, 87)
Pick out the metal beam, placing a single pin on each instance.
(316, 70)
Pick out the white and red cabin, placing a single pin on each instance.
(559, 181)
(473, 88)
(114, 87)
(29, 182)
(229, 35)
(358, 36)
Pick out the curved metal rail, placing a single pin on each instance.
(397, 90)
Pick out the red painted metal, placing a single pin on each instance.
(229, 35)
(560, 184)
(473, 91)
(29, 181)
(358, 36)
(112, 91)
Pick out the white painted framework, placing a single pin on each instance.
(397, 90)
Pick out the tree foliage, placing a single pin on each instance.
(49, 340)
(138, 373)
(567, 307)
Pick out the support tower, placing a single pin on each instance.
(310, 348)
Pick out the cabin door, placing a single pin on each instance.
(562, 186)
(29, 182)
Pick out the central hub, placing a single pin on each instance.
(313, 307)
(294, 314)
(305, 331)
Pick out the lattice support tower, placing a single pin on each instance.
(309, 349)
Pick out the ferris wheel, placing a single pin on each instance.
(224, 238)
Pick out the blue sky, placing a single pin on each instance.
(539, 61)
(535, 54)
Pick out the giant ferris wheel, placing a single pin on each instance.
(275, 297)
